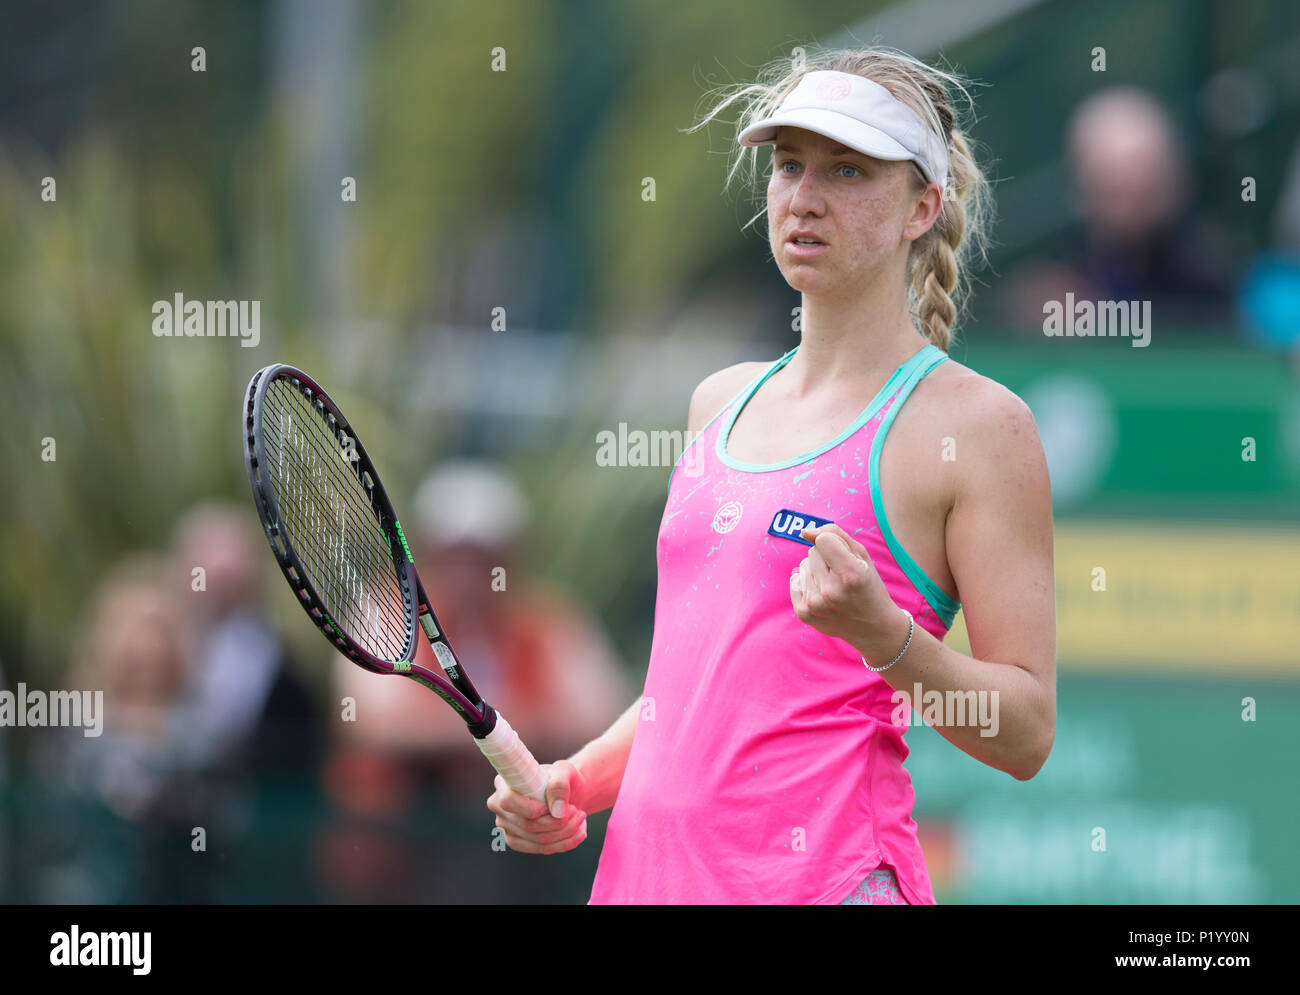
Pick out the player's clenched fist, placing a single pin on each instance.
(555, 826)
(837, 590)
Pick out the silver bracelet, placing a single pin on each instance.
(911, 628)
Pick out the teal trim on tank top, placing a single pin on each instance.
(943, 606)
(882, 395)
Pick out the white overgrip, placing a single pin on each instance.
(516, 765)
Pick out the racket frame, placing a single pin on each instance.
(455, 688)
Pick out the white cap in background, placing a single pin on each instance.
(470, 501)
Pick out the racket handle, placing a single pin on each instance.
(516, 765)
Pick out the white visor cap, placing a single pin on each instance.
(860, 114)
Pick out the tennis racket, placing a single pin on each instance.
(341, 548)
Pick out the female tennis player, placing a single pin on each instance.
(853, 493)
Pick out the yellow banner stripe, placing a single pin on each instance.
(1198, 597)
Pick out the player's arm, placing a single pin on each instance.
(999, 547)
(601, 763)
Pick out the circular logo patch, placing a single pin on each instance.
(833, 89)
(728, 517)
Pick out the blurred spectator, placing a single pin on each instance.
(249, 719)
(1136, 237)
(531, 651)
(249, 709)
(129, 646)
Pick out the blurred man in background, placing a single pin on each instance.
(1136, 237)
(250, 720)
(248, 708)
(533, 652)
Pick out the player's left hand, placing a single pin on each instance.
(837, 590)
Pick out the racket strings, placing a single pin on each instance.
(332, 524)
(322, 512)
(347, 557)
(317, 519)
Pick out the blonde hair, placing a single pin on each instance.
(939, 261)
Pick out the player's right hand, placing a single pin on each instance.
(530, 826)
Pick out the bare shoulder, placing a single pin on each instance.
(990, 423)
(975, 401)
(715, 390)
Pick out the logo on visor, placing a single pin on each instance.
(787, 524)
(835, 88)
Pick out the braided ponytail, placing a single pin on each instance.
(935, 265)
(933, 279)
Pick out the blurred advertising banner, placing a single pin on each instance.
(1175, 599)
(1158, 791)
(1192, 432)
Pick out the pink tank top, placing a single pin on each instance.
(765, 767)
